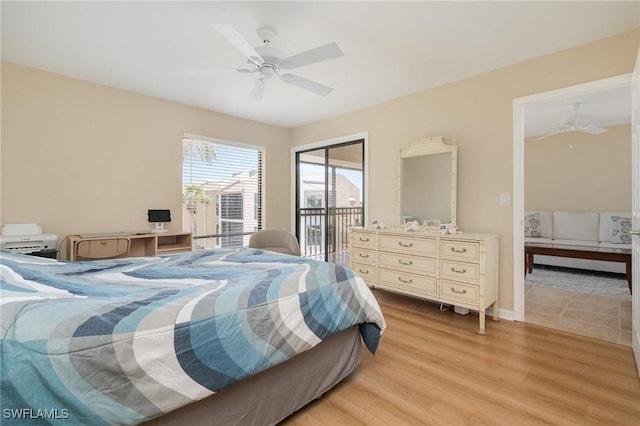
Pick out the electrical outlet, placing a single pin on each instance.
(505, 199)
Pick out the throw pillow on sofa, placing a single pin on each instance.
(538, 224)
(576, 226)
(620, 231)
(606, 224)
(532, 225)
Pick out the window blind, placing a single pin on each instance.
(222, 192)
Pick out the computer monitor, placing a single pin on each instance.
(159, 217)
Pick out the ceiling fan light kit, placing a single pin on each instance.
(266, 33)
(268, 61)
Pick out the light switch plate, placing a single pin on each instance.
(505, 199)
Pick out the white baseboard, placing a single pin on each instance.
(636, 349)
(502, 313)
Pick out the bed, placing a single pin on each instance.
(240, 336)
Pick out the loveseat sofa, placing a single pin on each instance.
(607, 229)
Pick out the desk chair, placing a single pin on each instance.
(275, 240)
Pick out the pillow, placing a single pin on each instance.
(620, 230)
(532, 225)
(576, 226)
(538, 224)
(606, 224)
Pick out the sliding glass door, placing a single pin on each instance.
(329, 199)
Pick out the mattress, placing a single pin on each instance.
(271, 396)
(128, 340)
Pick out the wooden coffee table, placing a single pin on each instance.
(577, 252)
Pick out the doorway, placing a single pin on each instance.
(330, 190)
(520, 108)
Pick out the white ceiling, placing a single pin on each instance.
(391, 48)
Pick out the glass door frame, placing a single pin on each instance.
(295, 181)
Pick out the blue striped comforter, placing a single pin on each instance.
(123, 341)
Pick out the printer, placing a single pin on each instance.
(27, 238)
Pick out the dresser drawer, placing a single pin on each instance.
(459, 271)
(412, 283)
(363, 239)
(368, 272)
(398, 243)
(459, 291)
(360, 255)
(402, 262)
(461, 250)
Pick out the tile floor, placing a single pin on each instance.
(600, 317)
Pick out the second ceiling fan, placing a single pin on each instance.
(268, 61)
(575, 123)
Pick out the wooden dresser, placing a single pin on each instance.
(459, 270)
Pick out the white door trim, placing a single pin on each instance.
(519, 116)
(635, 191)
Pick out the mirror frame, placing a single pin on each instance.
(429, 146)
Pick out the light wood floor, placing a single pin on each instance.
(433, 369)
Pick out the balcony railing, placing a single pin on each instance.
(338, 220)
(312, 235)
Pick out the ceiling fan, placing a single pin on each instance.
(268, 61)
(573, 124)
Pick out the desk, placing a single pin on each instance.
(150, 244)
(577, 252)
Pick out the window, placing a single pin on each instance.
(222, 191)
(231, 235)
(231, 206)
(314, 200)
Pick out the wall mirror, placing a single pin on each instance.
(427, 182)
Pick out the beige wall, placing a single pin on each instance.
(80, 157)
(476, 113)
(578, 172)
(73, 151)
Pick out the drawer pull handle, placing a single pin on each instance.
(401, 244)
(364, 239)
(458, 291)
(363, 255)
(402, 280)
(458, 271)
(364, 271)
(402, 262)
(455, 250)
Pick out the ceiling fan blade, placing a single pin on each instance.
(217, 70)
(593, 130)
(319, 54)
(235, 38)
(303, 83)
(549, 134)
(258, 90)
(575, 127)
